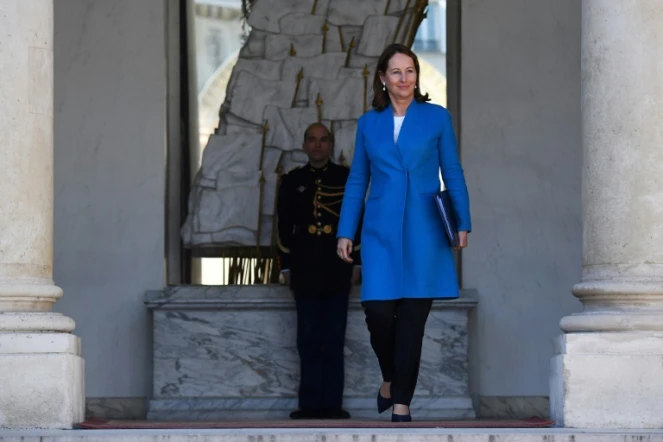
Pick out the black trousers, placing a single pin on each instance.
(321, 323)
(397, 333)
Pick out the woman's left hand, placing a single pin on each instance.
(344, 249)
(462, 240)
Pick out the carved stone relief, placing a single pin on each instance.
(304, 61)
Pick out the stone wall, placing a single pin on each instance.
(521, 151)
(110, 91)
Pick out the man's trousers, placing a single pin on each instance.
(321, 323)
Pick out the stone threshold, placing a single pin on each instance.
(262, 297)
(492, 407)
(335, 435)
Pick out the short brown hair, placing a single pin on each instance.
(381, 97)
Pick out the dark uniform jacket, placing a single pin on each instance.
(308, 208)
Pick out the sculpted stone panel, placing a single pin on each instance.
(271, 15)
(301, 23)
(252, 94)
(287, 126)
(266, 14)
(342, 99)
(324, 66)
(304, 61)
(377, 34)
(225, 207)
(255, 45)
(344, 137)
(280, 46)
(353, 12)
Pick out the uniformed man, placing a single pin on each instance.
(308, 208)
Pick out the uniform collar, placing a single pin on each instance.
(320, 169)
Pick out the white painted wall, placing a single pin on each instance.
(521, 150)
(110, 126)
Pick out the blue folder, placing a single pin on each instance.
(443, 203)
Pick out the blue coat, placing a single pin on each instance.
(404, 251)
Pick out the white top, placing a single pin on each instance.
(398, 122)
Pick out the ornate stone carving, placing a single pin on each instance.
(304, 61)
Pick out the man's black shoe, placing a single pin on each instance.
(337, 413)
(306, 414)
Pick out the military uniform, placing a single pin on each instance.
(308, 208)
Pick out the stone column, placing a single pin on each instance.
(608, 368)
(41, 370)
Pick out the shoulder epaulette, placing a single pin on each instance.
(342, 165)
(294, 169)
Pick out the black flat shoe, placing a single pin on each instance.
(384, 403)
(401, 417)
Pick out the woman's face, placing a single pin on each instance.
(400, 77)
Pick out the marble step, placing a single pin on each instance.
(335, 435)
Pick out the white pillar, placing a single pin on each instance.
(41, 369)
(608, 368)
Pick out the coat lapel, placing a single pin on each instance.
(386, 118)
(408, 130)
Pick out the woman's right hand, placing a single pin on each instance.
(344, 249)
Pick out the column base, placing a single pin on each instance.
(41, 381)
(607, 380)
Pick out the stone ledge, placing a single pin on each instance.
(223, 409)
(116, 407)
(513, 407)
(265, 297)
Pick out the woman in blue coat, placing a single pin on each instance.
(401, 146)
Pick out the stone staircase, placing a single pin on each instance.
(336, 435)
